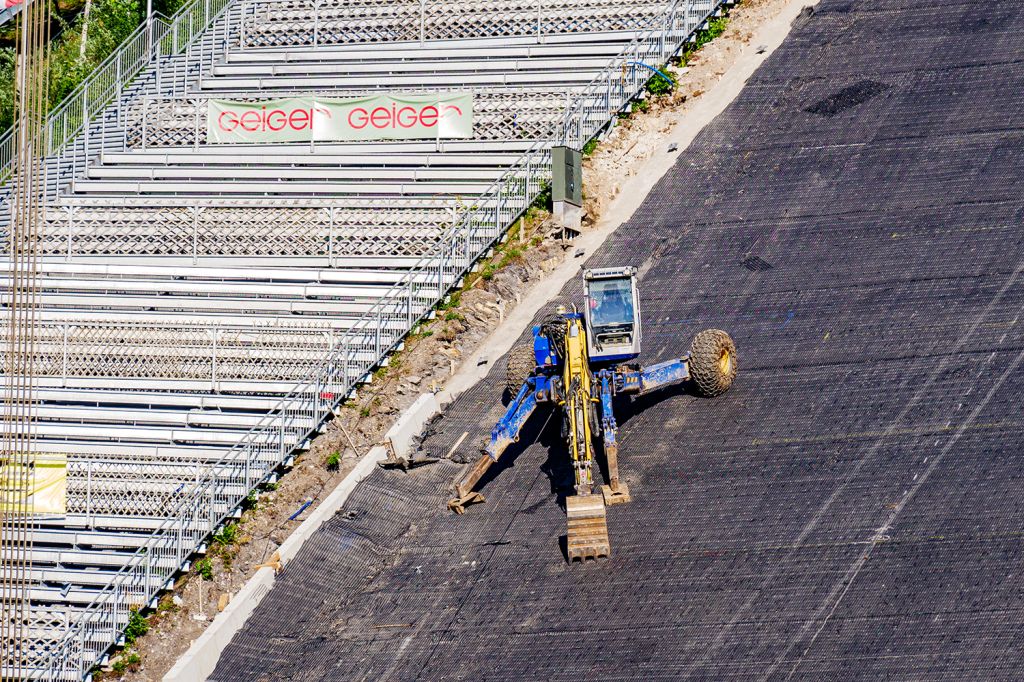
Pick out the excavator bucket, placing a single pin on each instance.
(587, 537)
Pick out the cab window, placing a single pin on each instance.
(611, 302)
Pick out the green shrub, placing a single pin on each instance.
(137, 627)
(129, 662)
(590, 146)
(543, 200)
(657, 86)
(204, 569)
(251, 501)
(333, 461)
(511, 255)
(227, 535)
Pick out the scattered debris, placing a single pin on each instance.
(304, 507)
(406, 463)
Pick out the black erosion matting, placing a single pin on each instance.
(851, 509)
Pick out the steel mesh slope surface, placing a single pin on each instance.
(851, 509)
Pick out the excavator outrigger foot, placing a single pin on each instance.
(616, 494)
(587, 536)
(459, 504)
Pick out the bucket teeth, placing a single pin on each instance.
(587, 536)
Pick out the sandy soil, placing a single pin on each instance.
(428, 361)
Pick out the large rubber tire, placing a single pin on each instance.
(521, 364)
(713, 362)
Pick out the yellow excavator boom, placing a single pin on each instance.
(587, 533)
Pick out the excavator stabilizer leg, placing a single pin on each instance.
(587, 536)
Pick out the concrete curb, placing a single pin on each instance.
(201, 658)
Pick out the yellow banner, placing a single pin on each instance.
(41, 487)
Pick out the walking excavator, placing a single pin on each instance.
(579, 362)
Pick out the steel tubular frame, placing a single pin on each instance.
(276, 23)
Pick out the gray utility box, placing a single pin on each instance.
(567, 172)
(567, 186)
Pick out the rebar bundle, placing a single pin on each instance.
(29, 184)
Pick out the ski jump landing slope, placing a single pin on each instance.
(852, 509)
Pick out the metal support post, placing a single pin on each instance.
(376, 336)
(346, 350)
(423, 21)
(195, 234)
(120, 85)
(213, 360)
(67, 256)
(316, 23)
(330, 237)
(85, 123)
(64, 356)
(195, 108)
(409, 308)
(145, 118)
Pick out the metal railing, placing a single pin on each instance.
(279, 23)
(207, 356)
(205, 503)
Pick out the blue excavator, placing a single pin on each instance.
(579, 362)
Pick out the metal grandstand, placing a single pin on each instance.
(204, 307)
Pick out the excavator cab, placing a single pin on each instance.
(612, 309)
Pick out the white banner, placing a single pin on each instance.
(305, 119)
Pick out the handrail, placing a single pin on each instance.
(194, 514)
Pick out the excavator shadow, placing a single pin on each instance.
(627, 407)
(539, 430)
(545, 430)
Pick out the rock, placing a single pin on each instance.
(177, 601)
(415, 380)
